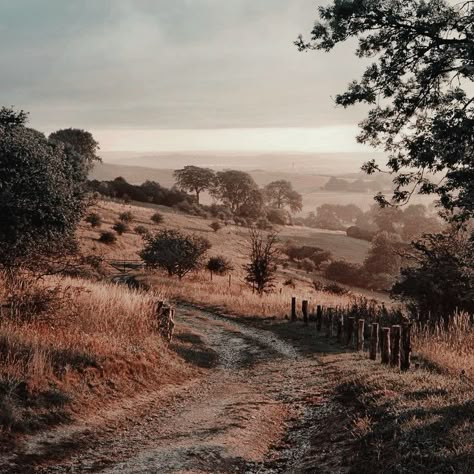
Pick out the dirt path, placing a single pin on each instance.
(262, 409)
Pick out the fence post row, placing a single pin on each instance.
(393, 342)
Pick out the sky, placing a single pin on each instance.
(178, 75)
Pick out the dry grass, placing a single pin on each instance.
(451, 351)
(238, 299)
(101, 343)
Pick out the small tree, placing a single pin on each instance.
(175, 252)
(215, 226)
(94, 219)
(263, 255)
(120, 227)
(157, 218)
(280, 194)
(141, 230)
(219, 265)
(126, 216)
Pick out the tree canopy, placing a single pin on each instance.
(419, 86)
(194, 179)
(42, 198)
(280, 194)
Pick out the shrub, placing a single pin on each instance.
(215, 226)
(157, 218)
(175, 252)
(94, 219)
(343, 272)
(240, 221)
(308, 265)
(263, 224)
(107, 237)
(219, 265)
(126, 216)
(289, 282)
(141, 230)
(359, 233)
(120, 227)
(277, 216)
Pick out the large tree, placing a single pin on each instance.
(280, 194)
(234, 188)
(194, 179)
(419, 86)
(41, 197)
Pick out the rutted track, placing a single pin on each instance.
(251, 414)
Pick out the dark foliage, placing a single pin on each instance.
(219, 265)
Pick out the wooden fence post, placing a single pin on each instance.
(319, 317)
(385, 345)
(293, 308)
(340, 326)
(350, 330)
(395, 346)
(374, 340)
(330, 323)
(405, 349)
(360, 334)
(304, 309)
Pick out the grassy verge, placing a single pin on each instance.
(68, 346)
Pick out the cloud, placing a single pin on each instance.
(169, 64)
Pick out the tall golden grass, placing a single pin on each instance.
(450, 351)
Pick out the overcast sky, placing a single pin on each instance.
(163, 75)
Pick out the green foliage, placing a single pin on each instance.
(215, 226)
(219, 265)
(157, 218)
(120, 227)
(107, 237)
(439, 277)
(194, 179)
(94, 219)
(419, 88)
(175, 252)
(42, 197)
(126, 216)
(280, 194)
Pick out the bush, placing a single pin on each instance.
(359, 233)
(94, 219)
(306, 252)
(141, 230)
(263, 224)
(308, 265)
(277, 216)
(126, 216)
(215, 226)
(219, 265)
(175, 252)
(107, 237)
(344, 272)
(120, 227)
(157, 218)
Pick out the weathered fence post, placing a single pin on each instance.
(374, 340)
(360, 334)
(340, 326)
(350, 330)
(330, 322)
(385, 346)
(293, 308)
(319, 317)
(405, 351)
(304, 309)
(395, 346)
